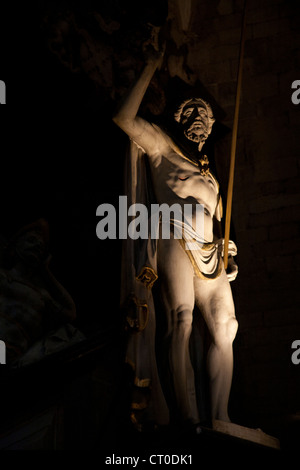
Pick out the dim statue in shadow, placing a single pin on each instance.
(36, 311)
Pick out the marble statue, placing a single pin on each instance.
(187, 277)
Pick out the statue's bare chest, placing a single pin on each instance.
(178, 180)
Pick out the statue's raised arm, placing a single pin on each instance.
(138, 129)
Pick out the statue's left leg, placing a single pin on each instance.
(214, 298)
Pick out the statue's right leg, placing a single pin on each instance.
(177, 281)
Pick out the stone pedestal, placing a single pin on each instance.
(254, 435)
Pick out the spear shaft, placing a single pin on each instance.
(234, 139)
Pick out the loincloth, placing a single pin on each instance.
(206, 258)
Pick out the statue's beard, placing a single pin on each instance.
(193, 133)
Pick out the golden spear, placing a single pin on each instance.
(234, 139)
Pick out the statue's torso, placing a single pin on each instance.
(177, 180)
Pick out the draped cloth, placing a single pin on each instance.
(139, 273)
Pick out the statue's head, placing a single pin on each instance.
(30, 243)
(196, 117)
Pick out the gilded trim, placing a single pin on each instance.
(197, 271)
(138, 406)
(147, 276)
(137, 314)
(130, 362)
(143, 383)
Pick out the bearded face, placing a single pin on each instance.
(196, 118)
(195, 122)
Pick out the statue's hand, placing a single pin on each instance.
(153, 48)
(232, 269)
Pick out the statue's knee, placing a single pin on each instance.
(184, 318)
(225, 332)
(232, 327)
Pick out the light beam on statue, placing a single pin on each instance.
(185, 277)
